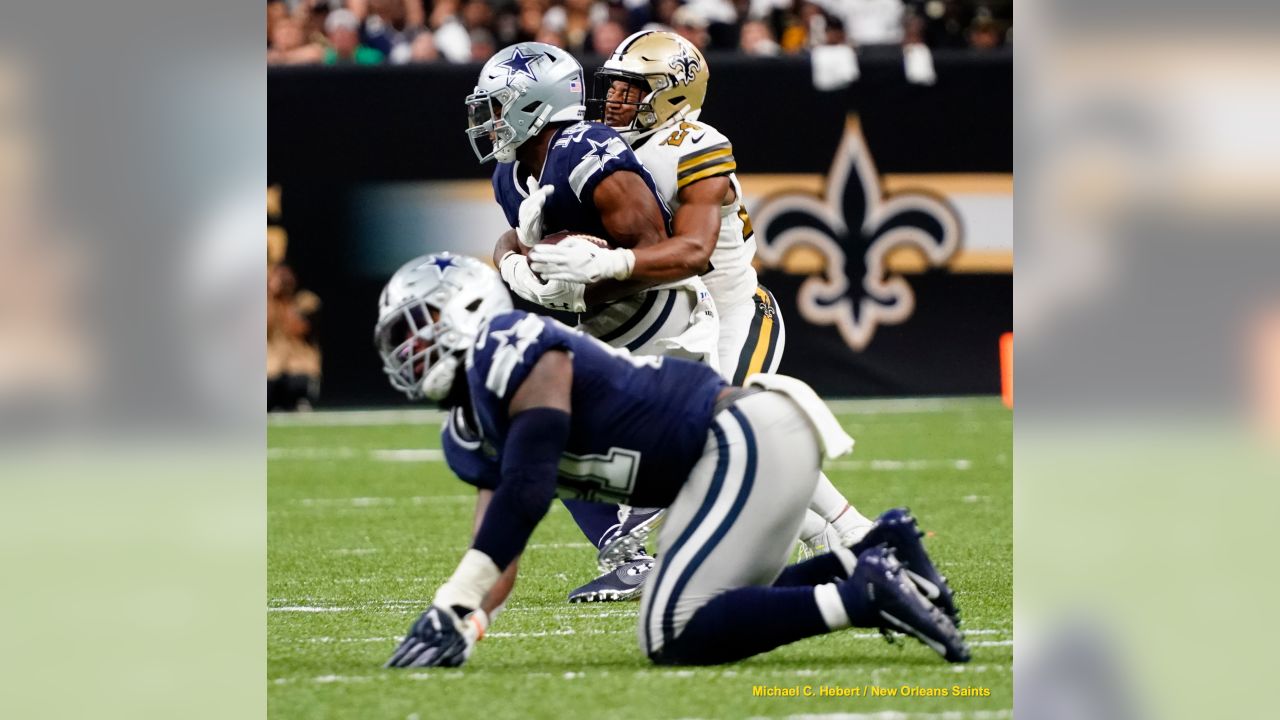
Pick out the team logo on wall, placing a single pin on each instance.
(855, 227)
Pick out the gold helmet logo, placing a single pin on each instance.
(685, 65)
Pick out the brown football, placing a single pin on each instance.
(557, 237)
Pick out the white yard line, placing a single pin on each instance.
(752, 674)
(890, 406)
(897, 715)
(432, 455)
(901, 465)
(363, 502)
(329, 454)
(356, 418)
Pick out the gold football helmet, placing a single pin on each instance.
(665, 80)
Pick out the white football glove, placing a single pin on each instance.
(581, 261)
(529, 231)
(552, 294)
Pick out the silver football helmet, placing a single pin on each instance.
(429, 315)
(520, 90)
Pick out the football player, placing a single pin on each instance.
(736, 466)
(557, 172)
(651, 90)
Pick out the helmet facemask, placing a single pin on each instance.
(646, 115)
(487, 125)
(409, 342)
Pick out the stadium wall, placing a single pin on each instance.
(900, 284)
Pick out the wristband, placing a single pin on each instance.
(475, 576)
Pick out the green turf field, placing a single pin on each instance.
(365, 521)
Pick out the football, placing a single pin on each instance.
(558, 237)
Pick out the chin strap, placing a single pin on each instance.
(635, 135)
(536, 126)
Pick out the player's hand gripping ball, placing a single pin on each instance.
(578, 258)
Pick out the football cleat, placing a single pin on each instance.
(622, 583)
(815, 545)
(625, 541)
(897, 529)
(889, 600)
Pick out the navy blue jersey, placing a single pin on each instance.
(578, 158)
(471, 458)
(638, 424)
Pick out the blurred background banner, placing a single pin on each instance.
(910, 300)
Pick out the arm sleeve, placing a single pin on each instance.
(530, 458)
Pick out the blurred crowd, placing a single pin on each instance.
(370, 32)
(293, 351)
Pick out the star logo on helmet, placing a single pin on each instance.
(442, 263)
(519, 64)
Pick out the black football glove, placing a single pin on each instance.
(439, 638)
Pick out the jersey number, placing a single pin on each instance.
(608, 477)
(677, 137)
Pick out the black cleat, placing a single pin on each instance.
(626, 540)
(897, 529)
(622, 583)
(889, 600)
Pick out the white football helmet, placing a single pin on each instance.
(521, 89)
(429, 315)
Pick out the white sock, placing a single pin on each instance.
(831, 606)
(831, 505)
(812, 525)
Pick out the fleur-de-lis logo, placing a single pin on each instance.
(855, 226)
(685, 65)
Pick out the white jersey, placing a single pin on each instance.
(684, 154)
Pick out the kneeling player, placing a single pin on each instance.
(734, 466)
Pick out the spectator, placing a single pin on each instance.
(453, 41)
(289, 46)
(573, 20)
(874, 22)
(551, 37)
(476, 15)
(757, 39)
(482, 45)
(606, 37)
(423, 48)
(343, 28)
(691, 25)
(506, 27)
(529, 21)
(664, 11)
(836, 34)
(276, 11)
(293, 359)
(983, 33)
(945, 24)
(800, 24)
